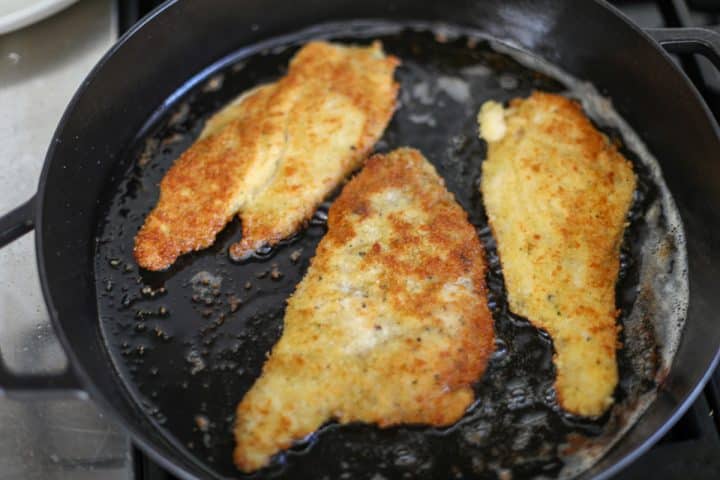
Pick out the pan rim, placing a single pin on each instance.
(137, 436)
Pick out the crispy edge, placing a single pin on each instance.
(173, 228)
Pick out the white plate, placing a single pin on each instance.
(16, 14)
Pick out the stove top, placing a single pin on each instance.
(691, 449)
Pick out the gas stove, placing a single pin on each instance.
(58, 439)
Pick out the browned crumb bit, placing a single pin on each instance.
(174, 138)
(235, 303)
(148, 152)
(202, 423)
(295, 256)
(275, 273)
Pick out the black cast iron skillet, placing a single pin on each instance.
(147, 98)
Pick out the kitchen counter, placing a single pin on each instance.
(41, 66)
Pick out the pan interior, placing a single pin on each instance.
(189, 342)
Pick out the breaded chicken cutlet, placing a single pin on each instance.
(390, 324)
(557, 194)
(273, 154)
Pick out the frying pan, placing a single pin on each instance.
(161, 78)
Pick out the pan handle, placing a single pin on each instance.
(703, 41)
(57, 385)
(18, 222)
(12, 226)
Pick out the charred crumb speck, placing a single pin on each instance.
(262, 274)
(248, 285)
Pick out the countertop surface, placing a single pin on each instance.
(41, 66)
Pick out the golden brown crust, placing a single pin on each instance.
(557, 193)
(198, 194)
(347, 101)
(390, 324)
(274, 154)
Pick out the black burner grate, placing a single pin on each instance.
(691, 449)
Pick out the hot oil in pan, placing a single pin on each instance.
(191, 341)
